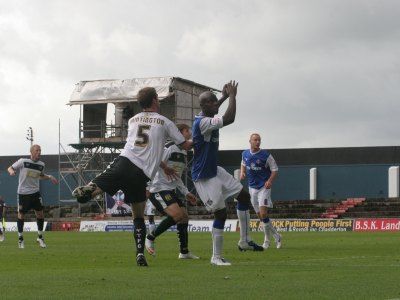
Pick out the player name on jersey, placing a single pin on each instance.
(148, 120)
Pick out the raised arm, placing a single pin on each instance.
(224, 96)
(230, 113)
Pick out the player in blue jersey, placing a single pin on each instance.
(260, 168)
(31, 171)
(213, 184)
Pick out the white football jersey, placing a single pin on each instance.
(147, 134)
(29, 175)
(174, 158)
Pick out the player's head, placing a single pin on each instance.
(185, 130)
(35, 152)
(147, 97)
(208, 103)
(255, 141)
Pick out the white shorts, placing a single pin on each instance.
(214, 191)
(260, 197)
(150, 209)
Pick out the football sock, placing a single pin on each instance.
(183, 237)
(152, 227)
(244, 222)
(266, 229)
(162, 227)
(20, 226)
(139, 233)
(272, 229)
(40, 224)
(217, 241)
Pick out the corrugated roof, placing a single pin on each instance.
(122, 90)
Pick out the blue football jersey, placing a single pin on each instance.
(258, 167)
(205, 133)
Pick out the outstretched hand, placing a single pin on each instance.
(231, 88)
(53, 179)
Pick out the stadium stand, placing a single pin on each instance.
(314, 209)
(380, 208)
(288, 209)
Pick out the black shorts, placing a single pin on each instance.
(123, 175)
(163, 199)
(28, 202)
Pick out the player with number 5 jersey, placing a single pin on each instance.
(137, 164)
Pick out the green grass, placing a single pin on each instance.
(311, 265)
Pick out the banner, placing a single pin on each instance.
(116, 206)
(298, 225)
(127, 225)
(377, 225)
(122, 225)
(282, 225)
(28, 226)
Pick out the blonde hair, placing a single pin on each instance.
(251, 135)
(34, 146)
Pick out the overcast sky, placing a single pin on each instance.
(311, 73)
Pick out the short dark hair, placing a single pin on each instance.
(182, 126)
(145, 96)
(206, 96)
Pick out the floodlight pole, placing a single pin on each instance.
(29, 135)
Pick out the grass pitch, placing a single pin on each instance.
(311, 265)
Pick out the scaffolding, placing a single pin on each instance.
(101, 142)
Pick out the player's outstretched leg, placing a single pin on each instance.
(84, 193)
(162, 227)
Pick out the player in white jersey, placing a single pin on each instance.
(163, 196)
(137, 164)
(261, 170)
(31, 170)
(150, 212)
(213, 184)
